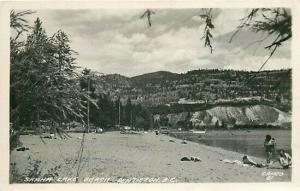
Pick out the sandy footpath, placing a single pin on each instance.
(112, 157)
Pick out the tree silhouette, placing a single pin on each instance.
(44, 83)
(148, 14)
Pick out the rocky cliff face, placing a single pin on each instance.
(246, 115)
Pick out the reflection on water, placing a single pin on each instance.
(247, 142)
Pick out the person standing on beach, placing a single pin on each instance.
(269, 145)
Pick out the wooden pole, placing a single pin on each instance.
(131, 118)
(119, 111)
(88, 107)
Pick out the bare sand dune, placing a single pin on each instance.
(122, 156)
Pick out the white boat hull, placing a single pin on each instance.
(199, 132)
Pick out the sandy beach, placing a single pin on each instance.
(115, 157)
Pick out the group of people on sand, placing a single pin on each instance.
(272, 155)
(284, 159)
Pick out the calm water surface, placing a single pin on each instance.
(249, 142)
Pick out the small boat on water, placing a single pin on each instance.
(192, 132)
(198, 132)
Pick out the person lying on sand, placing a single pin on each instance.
(195, 159)
(50, 136)
(246, 161)
(233, 162)
(22, 149)
(184, 142)
(185, 159)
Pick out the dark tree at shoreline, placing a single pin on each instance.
(44, 83)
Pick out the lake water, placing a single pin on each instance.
(249, 142)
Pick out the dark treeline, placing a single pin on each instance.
(43, 79)
(111, 111)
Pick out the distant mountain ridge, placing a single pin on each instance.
(165, 88)
(153, 77)
(157, 74)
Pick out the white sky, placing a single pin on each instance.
(118, 41)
